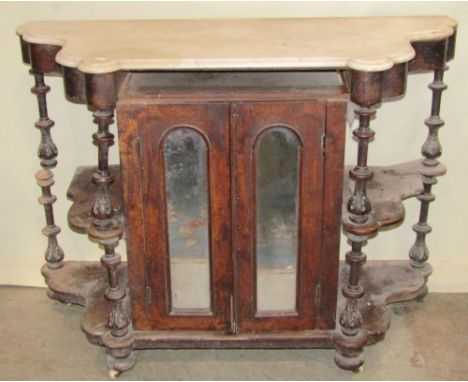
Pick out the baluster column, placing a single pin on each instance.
(431, 150)
(101, 95)
(47, 153)
(103, 230)
(366, 91)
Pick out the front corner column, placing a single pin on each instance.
(101, 96)
(366, 92)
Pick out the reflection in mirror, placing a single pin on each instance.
(186, 183)
(277, 190)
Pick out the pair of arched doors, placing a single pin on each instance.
(232, 214)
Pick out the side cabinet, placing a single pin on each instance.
(232, 213)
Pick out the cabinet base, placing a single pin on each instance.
(385, 282)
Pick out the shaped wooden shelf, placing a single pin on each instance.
(388, 188)
(82, 192)
(385, 282)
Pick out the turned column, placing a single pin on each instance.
(431, 150)
(101, 96)
(47, 153)
(366, 92)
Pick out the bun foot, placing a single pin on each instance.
(120, 365)
(120, 354)
(349, 351)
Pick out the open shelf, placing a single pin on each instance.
(387, 189)
(384, 282)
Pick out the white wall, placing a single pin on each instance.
(399, 126)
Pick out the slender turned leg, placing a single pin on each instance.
(431, 150)
(47, 152)
(118, 341)
(350, 343)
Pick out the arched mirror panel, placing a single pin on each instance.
(277, 164)
(185, 155)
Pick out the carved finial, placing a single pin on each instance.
(351, 318)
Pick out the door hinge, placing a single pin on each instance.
(323, 143)
(140, 153)
(317, 297)
(233, 329)
(149, 296)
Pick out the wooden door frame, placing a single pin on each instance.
(307, 120)
(149, 122)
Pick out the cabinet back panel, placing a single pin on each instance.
(231, 86)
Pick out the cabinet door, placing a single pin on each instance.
(180, 241)
(278, 183)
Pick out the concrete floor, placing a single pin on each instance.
(41, 339)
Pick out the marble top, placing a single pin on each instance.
(361, 43)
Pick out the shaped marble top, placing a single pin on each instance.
(363, 43)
